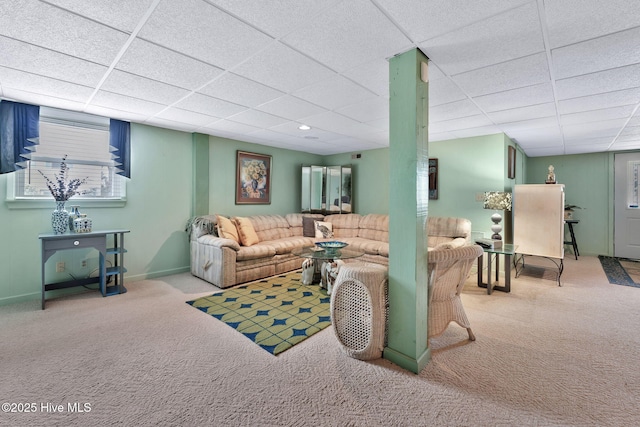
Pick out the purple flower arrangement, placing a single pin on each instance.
(62, 189)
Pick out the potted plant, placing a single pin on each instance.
(568, 210)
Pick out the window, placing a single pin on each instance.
(84, 139)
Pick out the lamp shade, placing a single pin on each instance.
(497, 200)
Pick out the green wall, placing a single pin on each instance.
(286, 178)
(158, 206)
(370, 179)
(588, 180)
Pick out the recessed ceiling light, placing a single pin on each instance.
(304, 127)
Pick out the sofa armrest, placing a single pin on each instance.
(219, 242)
(452, 244)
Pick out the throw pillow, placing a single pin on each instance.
(324, 230)
(246, 232)
(227, 229)
(308, 227)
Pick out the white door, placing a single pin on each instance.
(627, 211)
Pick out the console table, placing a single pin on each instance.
(52, 243)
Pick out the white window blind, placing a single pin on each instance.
(84, 139)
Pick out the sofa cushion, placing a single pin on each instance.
(345, 225)
(287, 244)
(246, 232)
(308, 227)
(227, 228)
(259, 250)
(297, 222)
(324, 230)
(270, 227)
(374, 227)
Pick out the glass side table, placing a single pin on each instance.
(508, 250)
(323, 259)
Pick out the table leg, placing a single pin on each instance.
(489, 281)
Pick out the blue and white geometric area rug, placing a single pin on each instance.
(275, 313)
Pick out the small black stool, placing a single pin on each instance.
(572, 242)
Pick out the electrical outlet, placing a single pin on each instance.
(84, 263)
(59, 267)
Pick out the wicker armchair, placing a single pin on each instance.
(448, 270)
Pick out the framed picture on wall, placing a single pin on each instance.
(433, 179)
(253, 178)
(511, 173)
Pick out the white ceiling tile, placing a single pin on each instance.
(208, 105)
(453, 110)
(164, 65)
(116, 114)
(188, 117)
(443, 91)
(516, 98)
(283, 68)
(240, 90)
(276, 18)
(140, 87)
(600, 101)
(350, 25)
(510, 35)
(543, 152)
(291, 129)
(542, 137)
(615, 50)
(27, 57)
(441, 136)
(335, 92)
(290, 107)
(382, 124)
(13, 79)
(123, 15)
(202, 31)
(170, 124)
(231, 127)
(630, 132)
(583, 149)
(625, 146)
(372, 75)
(514, 74)
(367, 111)
(39, 99)
(604, 81)
(59, 30)
(523, 113)
(545, 122)
(459, 124)
(635, 120)
(257, 118)
(593, 129)
(340, 124)
(589, 141)
(426, 19)
(570, 22)
(483, 130)
(126, 103)
(597, 115)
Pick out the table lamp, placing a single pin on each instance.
(498, 201)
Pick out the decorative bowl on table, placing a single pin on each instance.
(332, 246)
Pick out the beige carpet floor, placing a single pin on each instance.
(544, 356)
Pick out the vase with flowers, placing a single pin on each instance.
(62, 189)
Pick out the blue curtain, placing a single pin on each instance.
(19, 130)
(120, 141)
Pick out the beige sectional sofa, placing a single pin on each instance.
(221, 259)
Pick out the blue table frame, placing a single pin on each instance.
(52, 243)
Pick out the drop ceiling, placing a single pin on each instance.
(556, 76)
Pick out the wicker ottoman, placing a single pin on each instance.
(359, 309)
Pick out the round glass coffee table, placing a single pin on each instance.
(324, 261)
